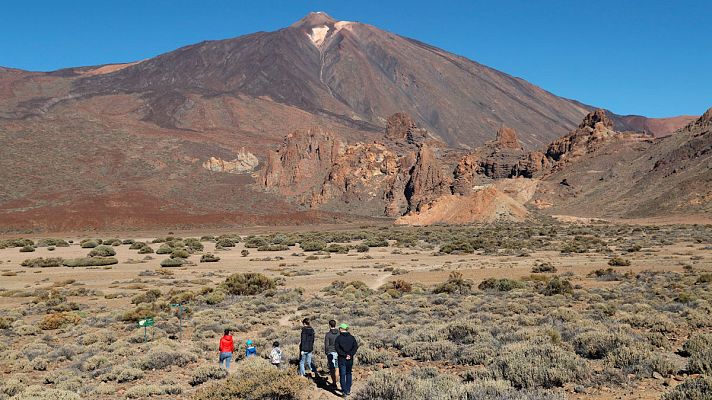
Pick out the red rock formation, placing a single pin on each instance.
(507, 139)
(427, 180)
(303, 160)
(594, 130)
(400, 128)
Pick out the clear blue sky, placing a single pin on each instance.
(652, 57)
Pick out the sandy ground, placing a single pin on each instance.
(417, 266)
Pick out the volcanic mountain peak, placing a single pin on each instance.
(314, 19)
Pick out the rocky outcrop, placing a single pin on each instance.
(243, 163)
(507, 139)
(302, 162)
(595, 129)
(400, 127)
(427, 180)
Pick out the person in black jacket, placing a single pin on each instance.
(330, 350)
(306, 347)
(346, 347)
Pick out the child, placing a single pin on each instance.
(276, 355)
(251, 350)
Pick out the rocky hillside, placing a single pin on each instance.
(379, 123)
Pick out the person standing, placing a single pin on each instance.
(332, 356)
(346, 347)
(227, 347)
(275, 356)
(306, 347)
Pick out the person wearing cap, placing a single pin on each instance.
(346, 347)
(250, 350)
(226, 348)
(306, 347)
(330, 350)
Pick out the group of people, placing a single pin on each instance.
(339, 347)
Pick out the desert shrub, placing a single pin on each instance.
(206, 373)
(457, 247)
(245, 252)
(4, 324)
(52, 242)
(398, 285)
(336, 248)
(429, 351)
(312, 245)
(39, 392)
(43, 262)
(27, 249)
(88, 244)
(225, 242)
(597, 344)
(607, 274)
(369, 356)
(57, 320)
(163, 357)
(137, 245)
(455, 284)
(253, 242)
(529, 365)
(618, 262)
(209, 257)
(387, 385)
(193, 244)
(149, 296)
(704, 278)
(692, 389)
(640, 360)
(272, 247)
(180, 253)
(557, 286)
(143, 311)
(247, 284)
(699, 349)
(102, 251)
(255, 379)
(144, 391)
(145, 250)
(362, 248)
(172, 262)
(90, 262)
(500, 285)
(376, 242)
(164, 249)
(543, 268)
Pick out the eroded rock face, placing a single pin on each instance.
(427, 180)
(594, 130)
(400, 127)
(244, 162)
(302, 162)
(507, 139)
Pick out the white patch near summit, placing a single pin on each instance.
(318, 34)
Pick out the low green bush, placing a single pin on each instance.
(247, 284)
(618, 262)
(500, 285)
(209, 257)
(692, 389)
(102, 251)
(255, 379)
(43, 262)
(90, 262)
(172, 262)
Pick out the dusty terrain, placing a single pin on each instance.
(74, 329)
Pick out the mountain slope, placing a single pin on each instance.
(150, 143)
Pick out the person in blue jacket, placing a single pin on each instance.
(251, 350)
